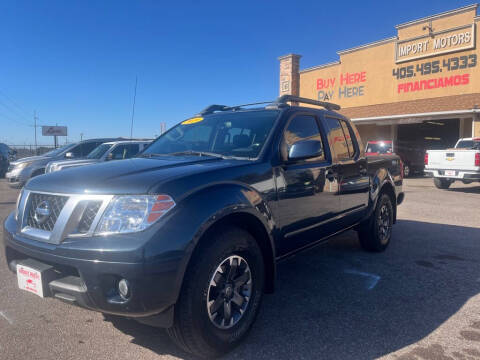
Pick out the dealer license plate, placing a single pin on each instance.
(30, 280)
(450, 172)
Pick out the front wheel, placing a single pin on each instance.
(221, 295)
(376, 232)
(441, 183)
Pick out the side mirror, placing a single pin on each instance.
(69, 155)
(305, 149)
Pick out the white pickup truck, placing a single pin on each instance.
(461, 163)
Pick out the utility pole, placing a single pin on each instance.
(133, 108)
(55, 138)
(35, 127)
(81, 136)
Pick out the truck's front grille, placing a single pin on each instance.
(43, 210)
(88, 216)
(53, 217)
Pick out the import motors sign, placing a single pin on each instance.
(435, 43)
(54, 130)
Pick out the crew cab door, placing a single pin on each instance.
(306, 185)
(352, 170)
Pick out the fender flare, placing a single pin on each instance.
(380, 181)
(247, 201)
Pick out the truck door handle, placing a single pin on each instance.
(330, 175)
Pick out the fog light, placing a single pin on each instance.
(123, 288)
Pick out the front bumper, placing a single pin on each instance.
(91, 281)
(459, 174)
(16, 179)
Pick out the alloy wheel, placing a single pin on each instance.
(229, 292)
(384, 224)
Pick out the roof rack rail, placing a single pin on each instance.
(212, 108)
(281, 101)
(286, 98)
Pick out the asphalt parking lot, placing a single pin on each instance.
(418, 300)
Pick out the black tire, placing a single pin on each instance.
(375, 234)
(193, 329)
(441, 183)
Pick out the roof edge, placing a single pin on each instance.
(368, 45)
(417, 115)
(289, 55)
(437, 16)
(317, 67)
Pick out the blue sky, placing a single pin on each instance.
(75, 62)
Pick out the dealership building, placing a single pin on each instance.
(420, 87)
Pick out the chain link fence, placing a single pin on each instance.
(29, 150)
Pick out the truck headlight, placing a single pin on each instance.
(18, 167)
(52, 168)
(132, 213)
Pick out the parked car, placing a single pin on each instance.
(460, 163)
(6, 155)
(187, 235)
(115, 150)
(410, 153)
(20, 171)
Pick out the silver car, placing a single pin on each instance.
(20, 171)
(115, 150)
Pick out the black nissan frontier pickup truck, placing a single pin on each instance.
(187, 235)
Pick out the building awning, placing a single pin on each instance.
(458, 106)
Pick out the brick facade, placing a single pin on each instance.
(289, 74)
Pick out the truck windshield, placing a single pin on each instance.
(99, 151)
(379, 147)
(58, 151)
(236, 134)
(469, 144)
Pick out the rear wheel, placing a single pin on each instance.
(376, 232)
(441, 183)
(221, 295)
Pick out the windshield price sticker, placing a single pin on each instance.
(192, 120)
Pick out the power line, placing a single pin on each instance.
(22, 109)
(12, 110)
(8, 117)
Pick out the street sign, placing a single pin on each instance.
(54, 130)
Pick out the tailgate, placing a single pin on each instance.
(452, 159)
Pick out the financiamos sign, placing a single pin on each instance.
(436, 43)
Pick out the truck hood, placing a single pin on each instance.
(132, 176)
(80, 162)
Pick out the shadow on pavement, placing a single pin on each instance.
(468, 190)
(338, 302)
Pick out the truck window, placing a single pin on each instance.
(349, 137)
(302, 127)
(86, 148)
(131, 150)
(468, 144)
(240, 134)
(77, 150)
(119, 152)
(336, 138)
